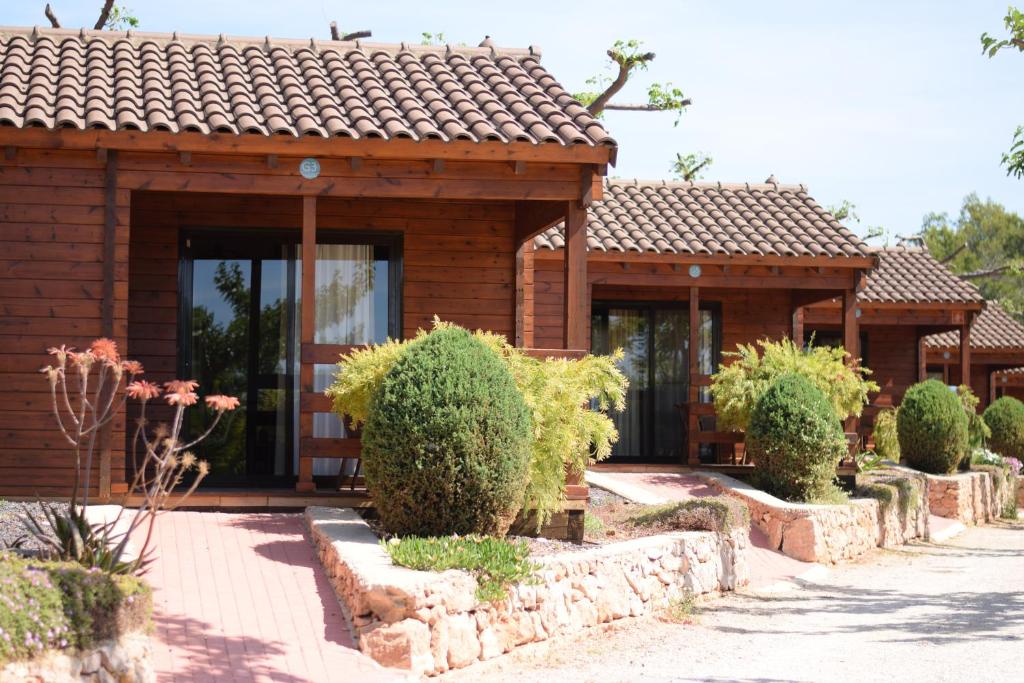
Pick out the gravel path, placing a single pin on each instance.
(931, 613)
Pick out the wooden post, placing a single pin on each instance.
(797, 326)
(693, 420)
(851, 340)
(922, 358)
(524, 295)
(991, 388)
(965, 350)
(306, 333)
(109, 306)
(577, 314)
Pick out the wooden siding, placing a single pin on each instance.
(52, 225)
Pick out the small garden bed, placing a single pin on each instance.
(60, 618)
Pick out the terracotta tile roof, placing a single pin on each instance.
(912, 275)
(659, 217)
(59, 78)
(994, 328)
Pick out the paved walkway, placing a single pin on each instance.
(924, 613)
(241, 598)
(768, 567)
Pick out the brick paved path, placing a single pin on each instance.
(241, 597)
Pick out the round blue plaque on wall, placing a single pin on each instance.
(694, 271)
(309, 168)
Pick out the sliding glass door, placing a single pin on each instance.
(655, 341)
(239, 312)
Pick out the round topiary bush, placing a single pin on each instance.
(1005, 417)
(795, 440)
(446, 444)
(932, 428)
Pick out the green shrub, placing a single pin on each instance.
(932, 427)
(795, 440)
(714, 513)
(1005, 417)
(977, 431)
(446, 444)
(59, 605)
(567, 400)
(737, 386)
(887, 440)
(495, 562)
(888, 490)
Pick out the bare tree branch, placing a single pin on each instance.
(355, 35)
(104, 14)
(990, 272)
(954, 254)
(600, 103)
(51, 16)
(640, 107)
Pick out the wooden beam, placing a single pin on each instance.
(307, 330)
(965, 351)
(797, 326)
(576, 316)
(586, 186)
(991, 387)
(693, 420)
(286, 145)
(533, 218)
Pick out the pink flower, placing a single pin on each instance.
(132, 367)
(185, 398)
(179, 386)
(105, 349)
(222, 403)
(61, 353)
(142, 390)
(83, 360)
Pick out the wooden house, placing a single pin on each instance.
(996, 350)
(239, 211)
(1008, 383)
(679, 272)
(908, 296)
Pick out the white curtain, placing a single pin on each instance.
(344, 315)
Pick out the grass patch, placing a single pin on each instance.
(495, 562)
(57, 605)
(830, 496)
(717, 513)
(681, 609)
(885, 494)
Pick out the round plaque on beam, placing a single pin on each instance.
(309, 168)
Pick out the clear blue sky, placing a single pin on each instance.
(888, 104)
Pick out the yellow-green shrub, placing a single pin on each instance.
(738, 385)
(886, 436)
(567, 400)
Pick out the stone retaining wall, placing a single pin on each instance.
(429, 622)
(968, 497)
(126, 660)
(812, 533)
(901, 520)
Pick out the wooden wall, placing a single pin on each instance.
(52, 224)
(747, 314)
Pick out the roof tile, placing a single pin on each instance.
(264, 86)
(993, 329)
(659, 217)
(912, 275)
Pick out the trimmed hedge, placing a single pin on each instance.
(1005, 417)
(447, 441)
(932, 428)
(795, 440)
(57, 605)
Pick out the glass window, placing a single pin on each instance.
(655, 340)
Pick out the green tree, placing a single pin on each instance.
(983, 244)
(1013, 22)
